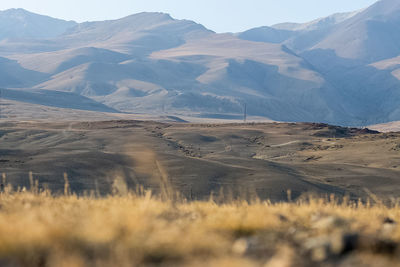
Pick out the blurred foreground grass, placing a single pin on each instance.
(139, 229)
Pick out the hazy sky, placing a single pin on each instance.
(217, 15)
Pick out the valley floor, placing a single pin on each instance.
(263, 159)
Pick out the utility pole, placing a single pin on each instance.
(1, 103)
(245, 113)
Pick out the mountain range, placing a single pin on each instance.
(343, 69)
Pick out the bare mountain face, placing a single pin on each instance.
(370, 35)
(341, 69)
(297, 35)
(357, 53)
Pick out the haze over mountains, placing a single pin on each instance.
(343, 69)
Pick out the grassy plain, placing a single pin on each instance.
(140, 229)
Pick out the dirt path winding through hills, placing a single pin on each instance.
(286, 144)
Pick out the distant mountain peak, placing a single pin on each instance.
(160, 15)
(15, 10)
(137, 33)
(18, 14)
(28, 14)
(147, 17)
(317, 23)
(20, 23)
(24, 13)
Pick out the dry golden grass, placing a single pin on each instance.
(139, 229)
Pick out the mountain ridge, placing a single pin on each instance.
(152, 63)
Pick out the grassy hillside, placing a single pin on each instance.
(126, 229)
